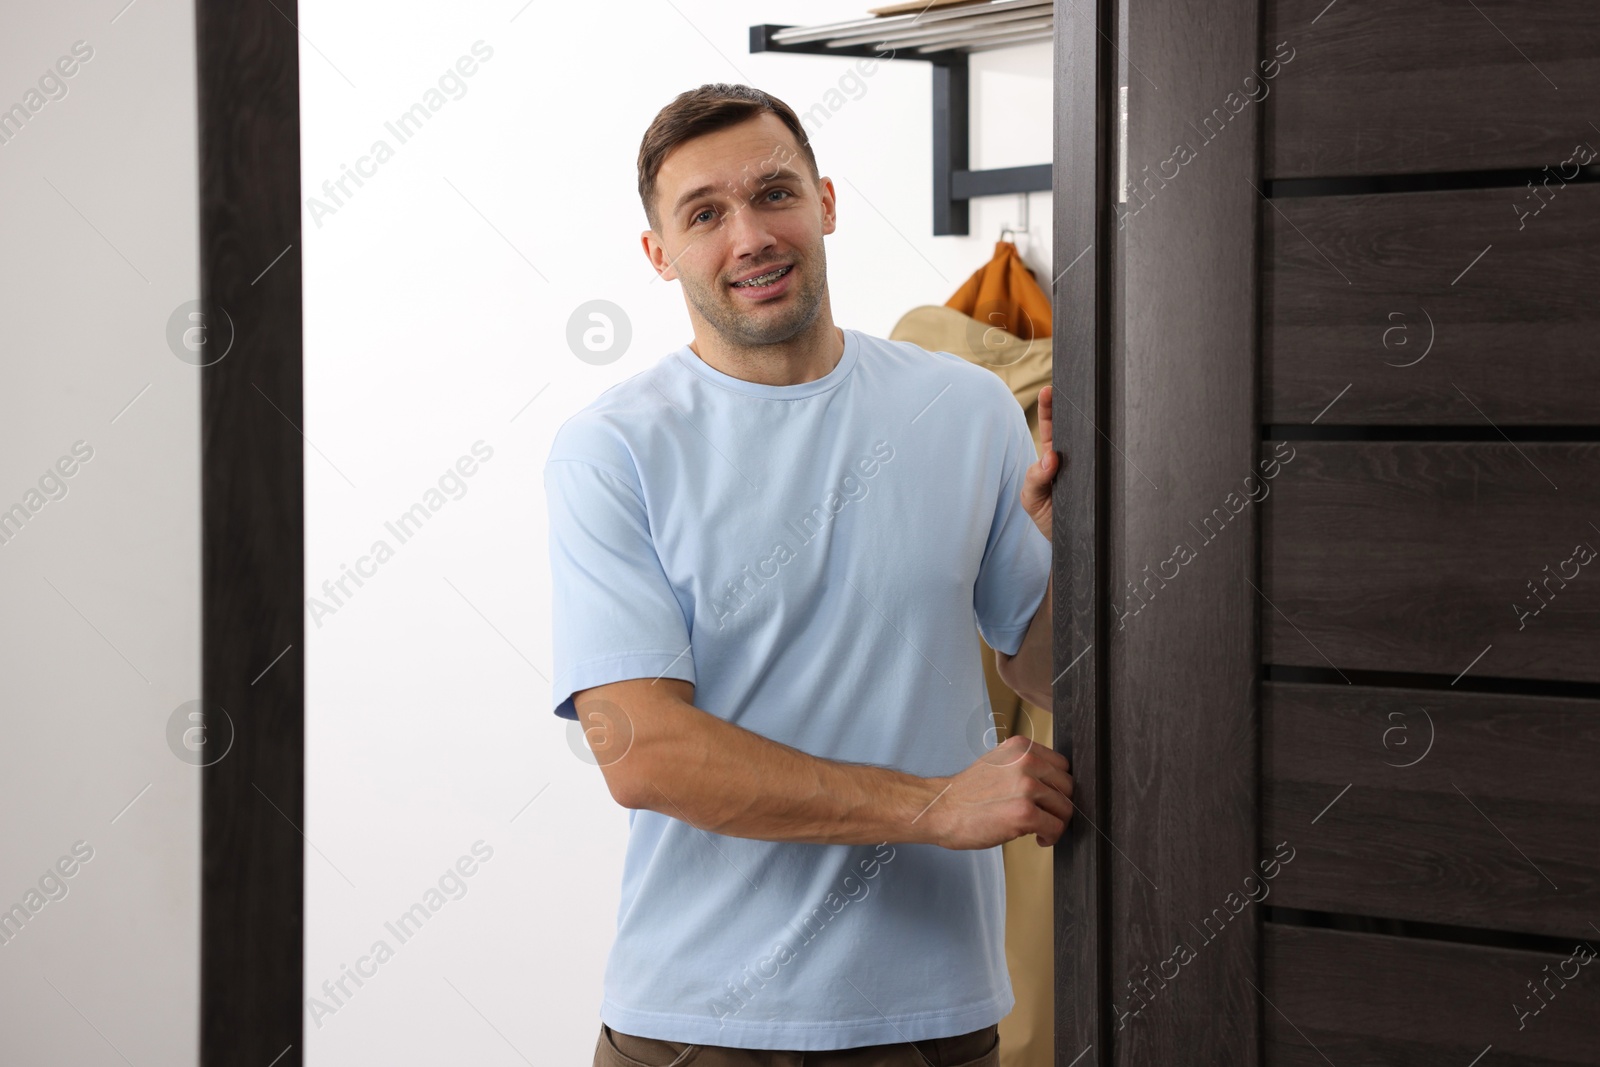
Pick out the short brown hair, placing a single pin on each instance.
(712, 107)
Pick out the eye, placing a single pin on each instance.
(785, 192)
(696, 216)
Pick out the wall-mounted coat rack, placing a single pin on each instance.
(943, 37)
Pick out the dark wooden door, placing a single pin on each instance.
(1430, 353)
(1330, 651)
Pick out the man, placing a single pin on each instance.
(768, 551)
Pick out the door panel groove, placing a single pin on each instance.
(1284, 431)
(1414, 929)
(1471, 683)
(1360, 185)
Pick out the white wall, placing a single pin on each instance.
(101, 582)
(437, 300)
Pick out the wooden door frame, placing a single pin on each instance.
(1084, 132)
(253, 526)
(1160, 718)
(252, 907)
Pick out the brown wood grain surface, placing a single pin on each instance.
(1435, 557)
(1182, 425)
(1081, 140)
(253, 536)
(1352, 998)
(1430, 85)
(1471, 809)
(1471, 308)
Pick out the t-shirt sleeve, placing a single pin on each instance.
(615, 615)
(1015, 571)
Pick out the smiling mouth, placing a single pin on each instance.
(764, 279)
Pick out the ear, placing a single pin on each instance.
(656, 253)
(829, 204)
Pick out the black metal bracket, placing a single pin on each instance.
(953, 184)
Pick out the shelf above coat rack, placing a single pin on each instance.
(943, 37)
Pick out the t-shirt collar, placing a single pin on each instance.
(840, 371)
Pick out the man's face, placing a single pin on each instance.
(734, 204)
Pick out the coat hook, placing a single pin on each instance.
(1022, 213)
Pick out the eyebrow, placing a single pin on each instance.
(782, 174)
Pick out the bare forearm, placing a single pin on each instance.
(729, 780)
(1028, 672)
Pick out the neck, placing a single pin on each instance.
(804, 357)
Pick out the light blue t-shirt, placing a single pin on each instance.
(813, 559)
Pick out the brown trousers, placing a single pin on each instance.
(980, 1048)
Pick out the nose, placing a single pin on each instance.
(748, 233)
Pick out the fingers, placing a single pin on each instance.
(1017, 769)
(1058, 779)
(1029, 745)
(1051, 801)
(1053, 824)
(1047, 450)
(1032, 749)
(1046, 412)
(1049, 829)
